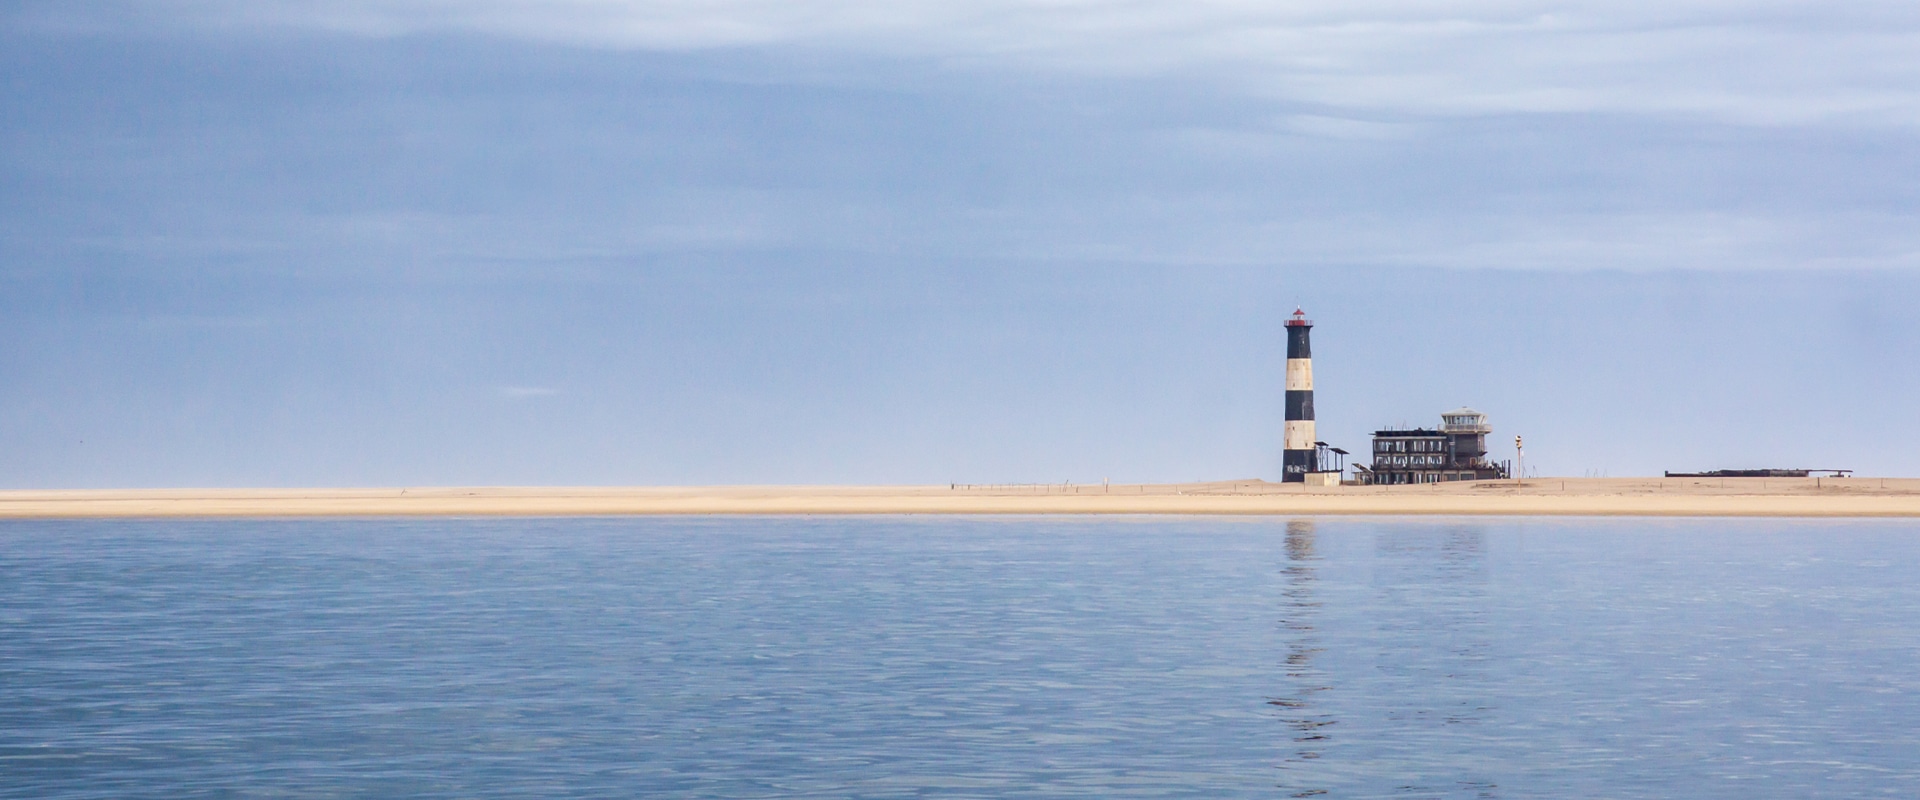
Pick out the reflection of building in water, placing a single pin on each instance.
(1455, 452)
(1299, 543)
(1434, 640)
(1305, 720)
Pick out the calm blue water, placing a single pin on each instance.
(908, 657)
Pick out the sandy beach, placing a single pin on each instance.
(1768, 497)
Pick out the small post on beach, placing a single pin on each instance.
(1519, 453)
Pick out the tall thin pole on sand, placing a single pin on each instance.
(1520, 453)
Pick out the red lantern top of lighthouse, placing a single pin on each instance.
(1299, 319)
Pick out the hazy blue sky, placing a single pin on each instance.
(414, 242)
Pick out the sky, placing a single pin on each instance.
(410, 242)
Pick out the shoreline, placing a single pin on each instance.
(1662, 497)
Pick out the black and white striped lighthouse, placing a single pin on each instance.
(1299, 458)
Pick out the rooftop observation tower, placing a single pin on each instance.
(1466, 431)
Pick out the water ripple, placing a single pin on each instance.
(959, 657)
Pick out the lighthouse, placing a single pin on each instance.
(1299, 442)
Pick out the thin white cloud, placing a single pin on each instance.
(1749, 62)
(1345, 128)
(1225, 234)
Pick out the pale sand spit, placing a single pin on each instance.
(1768, 497)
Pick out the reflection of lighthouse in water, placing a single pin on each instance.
(1299, 457)
(1305, 718)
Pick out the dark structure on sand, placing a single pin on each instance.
(1760, 473)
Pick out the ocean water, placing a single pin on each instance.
(960, 657)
